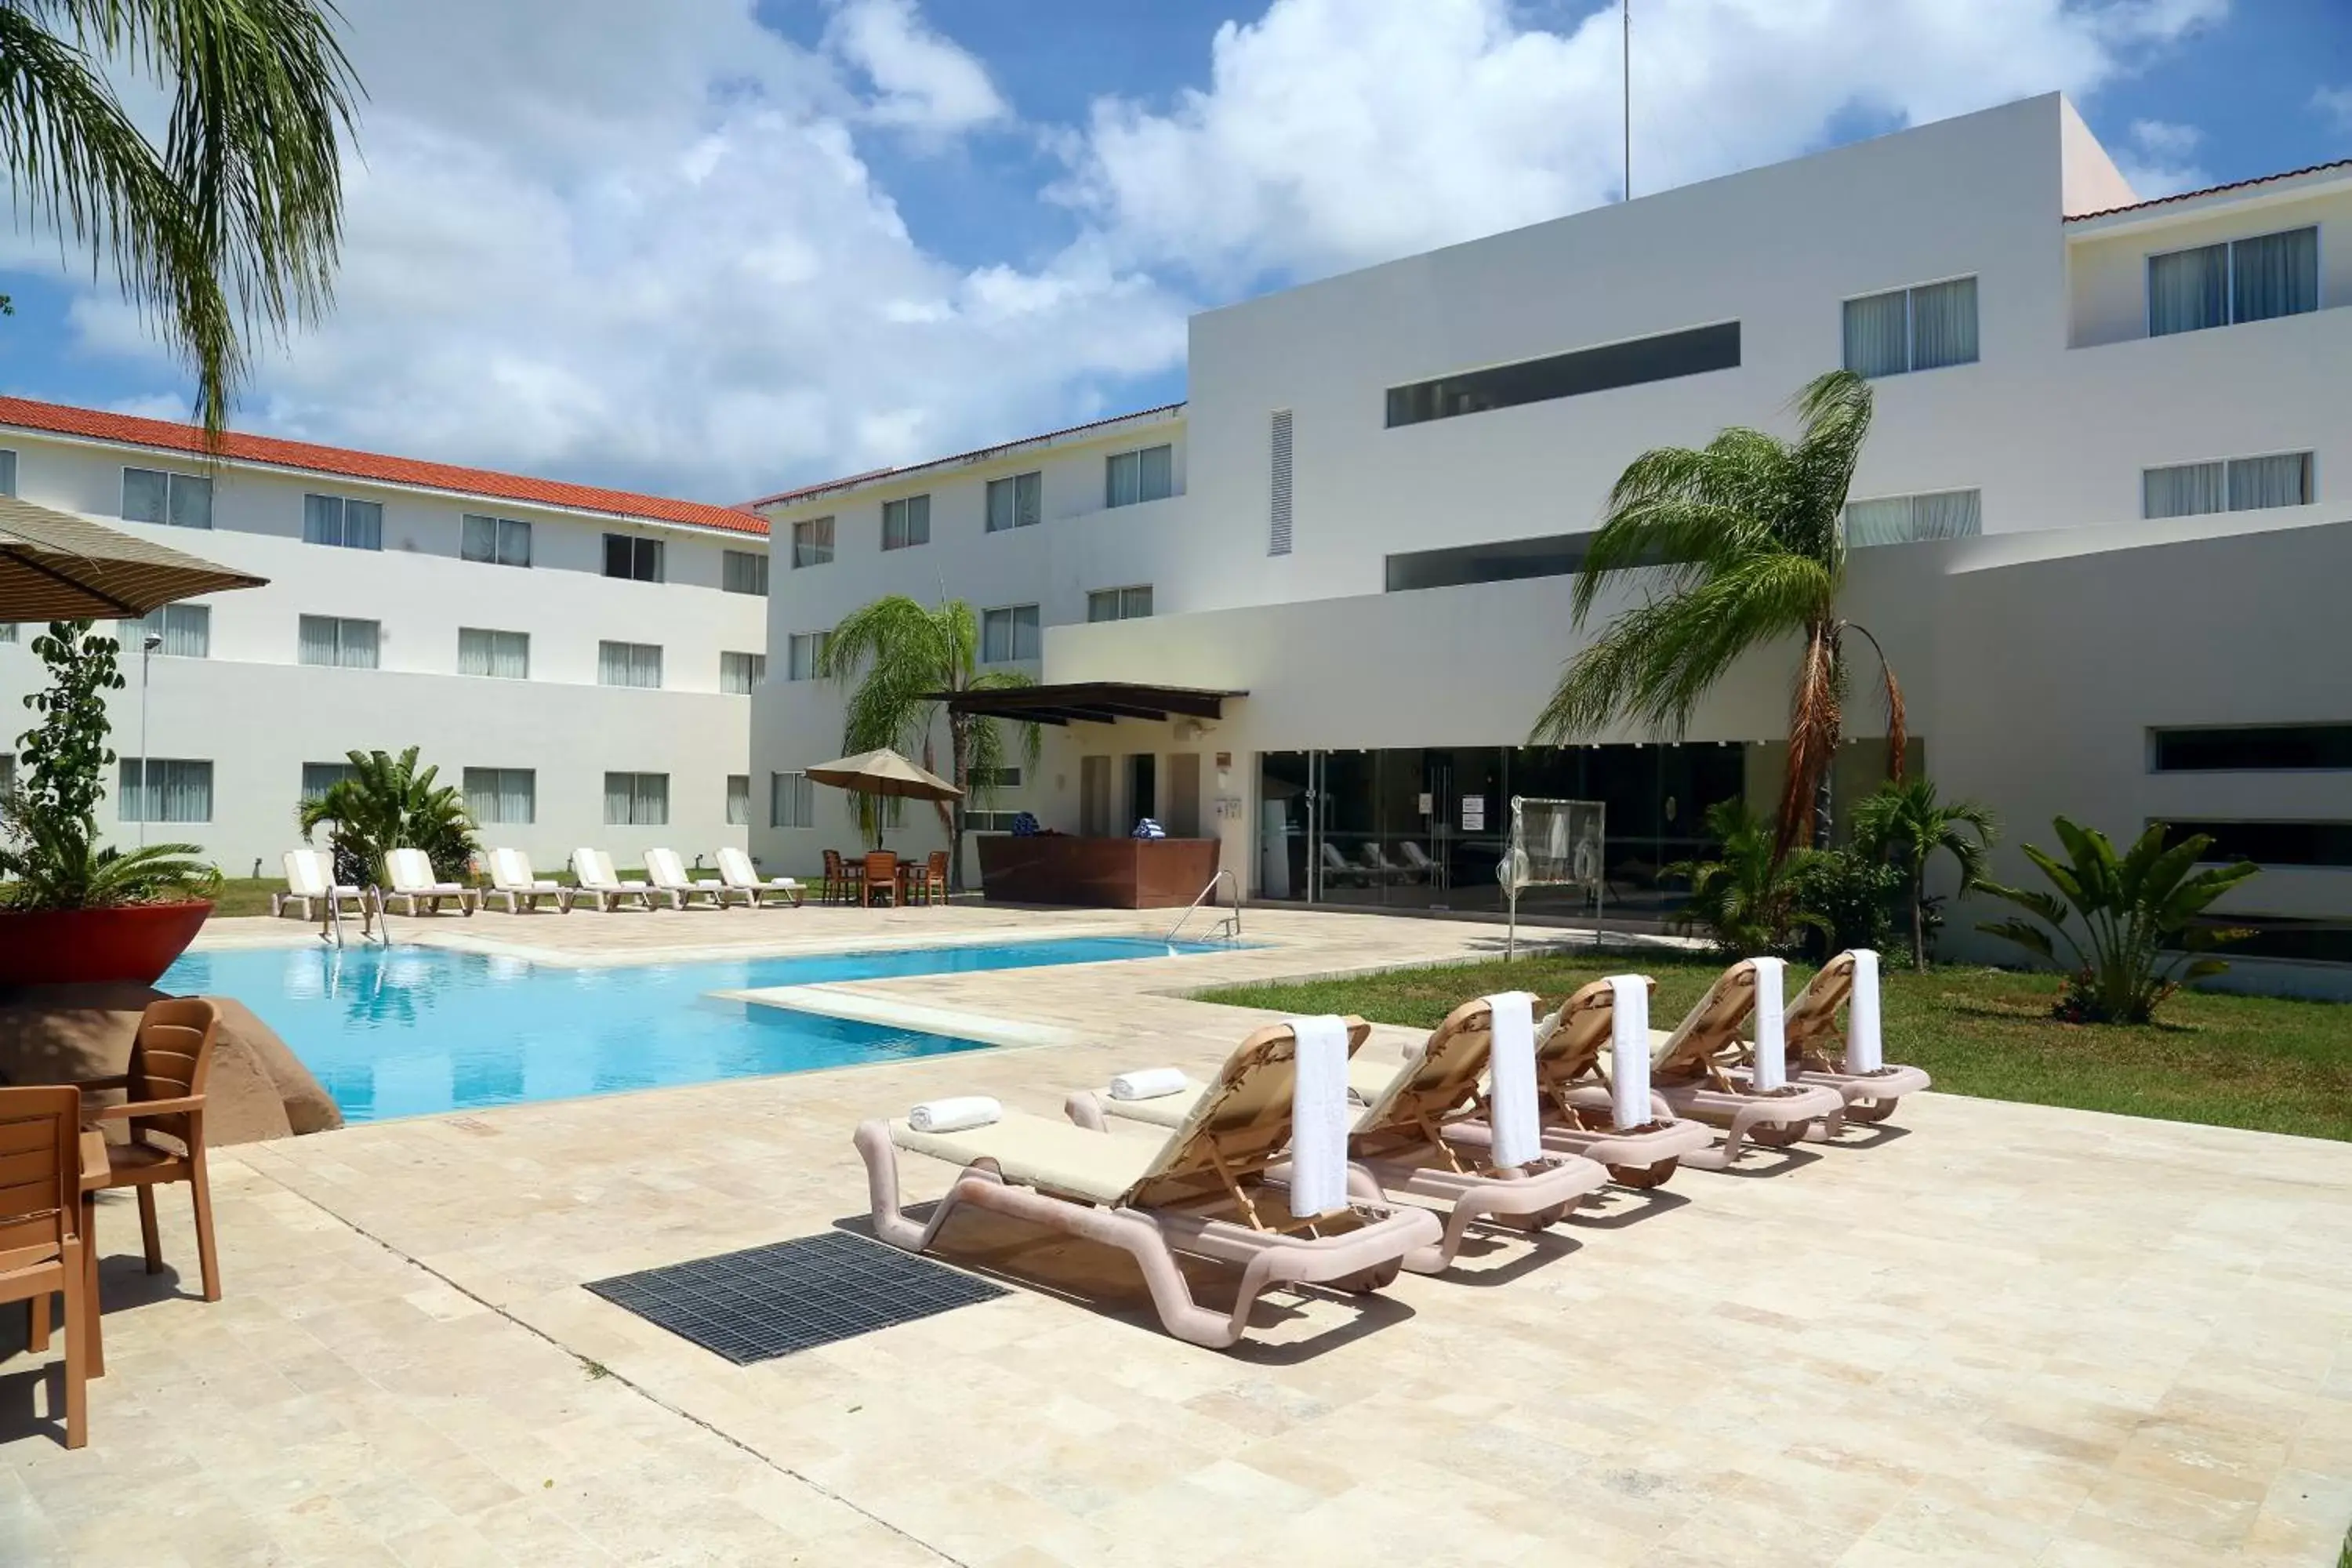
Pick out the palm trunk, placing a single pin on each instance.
(1919, 918)
(959, 754)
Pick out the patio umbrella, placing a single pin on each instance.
(55, 566)
(884, 773)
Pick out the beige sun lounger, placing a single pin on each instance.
(593, 868)
(1688, 1071)
(667, 873)
(1817, 1047)
(410, 872)
(310, 880)
(1213, 1189)
(511, 878)
(735, 869)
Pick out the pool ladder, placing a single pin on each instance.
(1229, 923)
(382, 935)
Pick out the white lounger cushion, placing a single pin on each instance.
(1033, 1151)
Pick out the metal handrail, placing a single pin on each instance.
(1230, 925)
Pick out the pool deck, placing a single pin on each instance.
(2002, 1334)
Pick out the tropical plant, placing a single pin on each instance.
(900, 657)
(1906, 824)
(49, 853)
(389, 803)
(232, 224)
(1851, 896)
(1747, 896)
(2141, 938)
(1748, 535)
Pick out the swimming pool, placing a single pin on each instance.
(405, 1031)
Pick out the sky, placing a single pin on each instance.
(712, 248)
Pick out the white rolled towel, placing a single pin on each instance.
(1319, 1117)
(1629, 1050)
(954, 1114)
(1771, 1069)
(1516, 1117)
(1150, 1083)
(1865, 1051)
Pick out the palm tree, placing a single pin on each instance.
(911, 655)
(389, 803)
(231, 225)
(1748, 535)
(1904, 823)
(1749, 897)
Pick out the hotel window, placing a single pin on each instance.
(996, 778)
(1908, 520)
(2252, 749)
(317, 778)
(635, 664)
(906, 523)
(638, 559)
(505, 656)
(1016, 502)
(329, 640)
(2325, 843)
(636, 800)
(1903, 329)
(1664, 357)
(739, 672)
(1118, 603)
(739, 800)
(812, 543)
(1132, 477)
(2240, 484)
(7, 631)
(351, 524)
(2243, 280)
(499, 541)
(178, 500)
(165, 789)
(805, 655)
(186, 631)
(1008, 633)
(792, 801)
(503, 797)
(743, 572)
(7, 473)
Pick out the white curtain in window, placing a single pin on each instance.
(628, 664)
(1887, 522)
(1158, 478)
(1948, 514)
(317, 778)
(2275, 275)
(653, 800)
(1944, 324)
(739, 672)
(739, 800)
(1028, 498)
(620, 798)
(176, 790)
(502, 796)
(1877, 334)
(481, 540)
(2186, 490)
(2188, 291)
(318, 639)
(2258, 483)
(359, 643)
(1123, 479)
(792, 801)
(192, 507)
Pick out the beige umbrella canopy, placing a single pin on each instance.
(884, 773)
(55, 566)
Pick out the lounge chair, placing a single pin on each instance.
(410, 872)
(310, 879)
(1416, 860)
(1338, 870)
(511, 879)
(1847, 1059)
(1209, 1189)
(593, 870)
(1687, 1070)
(668, 873)
(735, 869)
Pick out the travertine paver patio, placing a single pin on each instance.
(2007, 1335)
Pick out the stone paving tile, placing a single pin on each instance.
(1995, 1334)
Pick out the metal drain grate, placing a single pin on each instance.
(769, 1301)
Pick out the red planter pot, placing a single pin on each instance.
(136, 943)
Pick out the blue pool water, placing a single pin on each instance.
(408, 1030)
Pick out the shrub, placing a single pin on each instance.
(1748, 899)
(1852, 895)
(389, 803)
(1904, 823)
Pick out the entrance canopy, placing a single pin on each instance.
(1089, 702)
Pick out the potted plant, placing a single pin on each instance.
(70, 910)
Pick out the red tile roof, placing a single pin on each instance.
(2214, 190)
(975, 455)
(62, 420)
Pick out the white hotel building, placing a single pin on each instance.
(2106, 497)
(578, 660)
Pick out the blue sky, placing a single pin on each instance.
(772, 240)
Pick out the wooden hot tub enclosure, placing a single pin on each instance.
(1097, 873)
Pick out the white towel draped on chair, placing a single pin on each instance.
(1149, 1083)
(955, 1114)
(1319, 1117)
(1511, 1070)
(1771, 1069)
(1865, 1051)
(1629, 1050)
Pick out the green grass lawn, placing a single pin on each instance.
(2265, 1063)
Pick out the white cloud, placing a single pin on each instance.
(2334, 104)
(1333, 134)
(925, 82)
(2158, 158)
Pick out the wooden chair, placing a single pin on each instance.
(42, 1243)
(936, 892)
(170, 1056)
(833, 888)
(882, 876)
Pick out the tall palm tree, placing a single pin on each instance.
(1907, 824)
(231, 225)
(1748, 537)
(901, 657)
